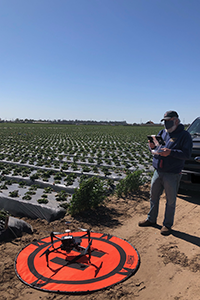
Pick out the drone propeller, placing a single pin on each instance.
(55, 233)
(83, 229)
(88, 231)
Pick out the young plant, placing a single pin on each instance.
(48, 189)
(62, 196)
(42, 201)
(26, 197)
(14, 194)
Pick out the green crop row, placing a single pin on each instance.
(61, 146)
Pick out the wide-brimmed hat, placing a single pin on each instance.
(170, 114)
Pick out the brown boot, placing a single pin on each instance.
(146, 223)
(165, 230)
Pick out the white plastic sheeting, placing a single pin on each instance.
(15, 229)
(22, 208)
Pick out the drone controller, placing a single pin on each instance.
(158, 141)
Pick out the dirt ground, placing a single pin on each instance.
(170, 265)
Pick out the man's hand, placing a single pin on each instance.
(151, 145)
(165, 152)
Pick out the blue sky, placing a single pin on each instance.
(99, 59)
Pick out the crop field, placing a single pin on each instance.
(45, 162)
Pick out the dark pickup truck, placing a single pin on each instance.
(191, 173)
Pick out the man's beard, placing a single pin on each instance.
(171, 129)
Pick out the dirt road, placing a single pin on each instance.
(170, 265)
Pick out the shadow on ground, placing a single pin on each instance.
(195, 240)
(114, 211)
(108, 217)
(190, 196)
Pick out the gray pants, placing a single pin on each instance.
(170, 183)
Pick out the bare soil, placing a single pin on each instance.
(170, 265)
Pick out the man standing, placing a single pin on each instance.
(168, 165)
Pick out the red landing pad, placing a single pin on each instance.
(113, 260)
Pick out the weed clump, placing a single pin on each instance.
(129, 184)
(90, 194)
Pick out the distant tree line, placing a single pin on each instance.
(81, 122)
(59, 121)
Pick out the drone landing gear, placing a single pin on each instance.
(69, 243)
